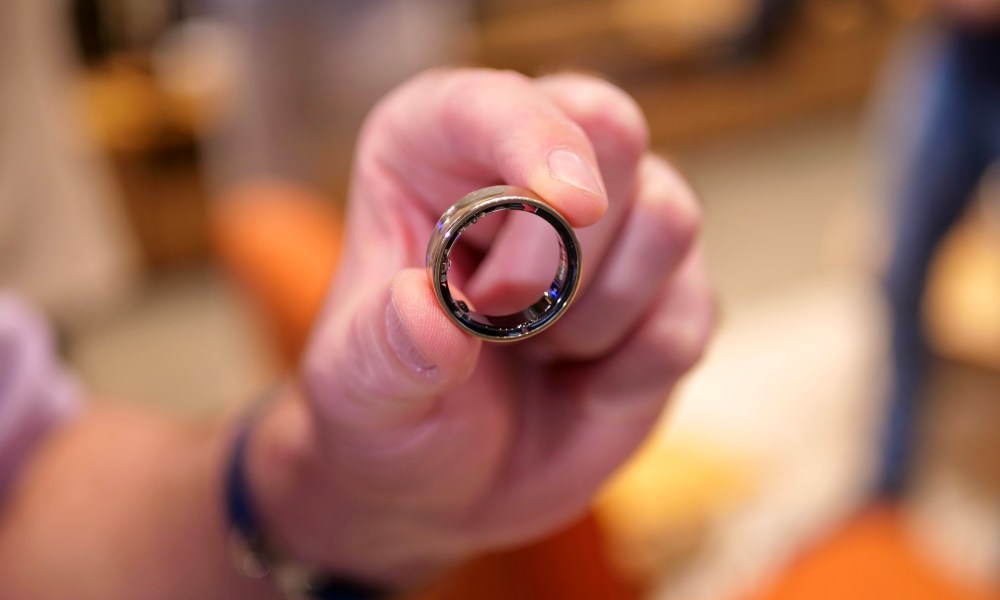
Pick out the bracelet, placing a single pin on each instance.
(256, 558)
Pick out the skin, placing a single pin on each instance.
(405, 445)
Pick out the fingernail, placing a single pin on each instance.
(569, 167)
(402, 344)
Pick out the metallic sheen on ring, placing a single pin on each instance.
(533, 319)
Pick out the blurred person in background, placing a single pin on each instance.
(63, 240)
(950, 134)
(63, 244)
(402, 445)
(309, 70)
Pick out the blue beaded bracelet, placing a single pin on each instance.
(259, 560)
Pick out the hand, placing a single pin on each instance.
(415, 444)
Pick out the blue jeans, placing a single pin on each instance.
(958, 138)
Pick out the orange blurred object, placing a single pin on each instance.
(282, 244)
(872, 558)
(569, 565)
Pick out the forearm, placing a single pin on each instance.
(122, 505)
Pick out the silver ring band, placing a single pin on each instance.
(533, 319)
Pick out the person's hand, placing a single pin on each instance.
(418, 444)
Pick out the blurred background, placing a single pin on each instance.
(172, 179)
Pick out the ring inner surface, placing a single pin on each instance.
(532, 317)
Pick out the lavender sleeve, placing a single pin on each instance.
(36, 393)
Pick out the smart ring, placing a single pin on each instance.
(533, 319)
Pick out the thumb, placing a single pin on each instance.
(382, 363)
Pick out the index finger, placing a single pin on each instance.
(446, 133)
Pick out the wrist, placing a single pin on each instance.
(312, 514)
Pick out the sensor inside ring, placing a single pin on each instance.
(544, 311)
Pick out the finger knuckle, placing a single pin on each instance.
(590, 346)
(669, 205)
(471, 87)
(682, 343)
(682, 223)
(682, 347)
(606, 112)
